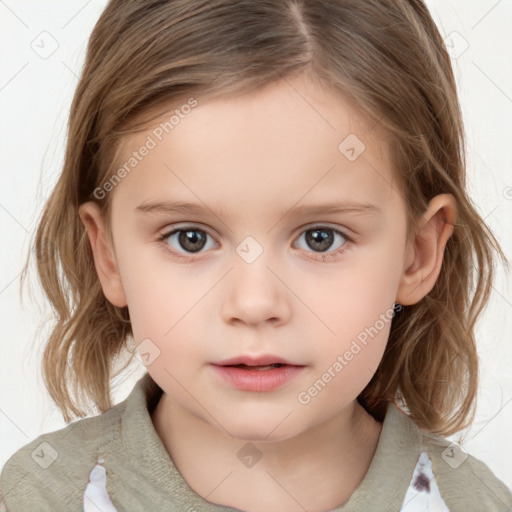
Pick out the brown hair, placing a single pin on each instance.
(387, 57)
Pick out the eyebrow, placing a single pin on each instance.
(170, 207)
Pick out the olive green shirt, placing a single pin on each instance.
(410, 471)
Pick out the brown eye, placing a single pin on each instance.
(192, 240)
(186, 240)
(320, 239)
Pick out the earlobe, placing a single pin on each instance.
(425, 256)
(103, 253)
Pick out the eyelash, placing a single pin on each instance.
(188, 258)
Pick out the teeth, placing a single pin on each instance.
(267, 367)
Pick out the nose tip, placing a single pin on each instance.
(255, 295)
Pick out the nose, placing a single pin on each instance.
(254, 294)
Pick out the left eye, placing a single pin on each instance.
(192, 239)
(321, 238)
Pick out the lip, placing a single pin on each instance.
(255, 360)
(256, 380)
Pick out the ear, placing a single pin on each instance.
(425, 254)
(103, 253)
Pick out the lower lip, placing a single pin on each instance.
(258, 380)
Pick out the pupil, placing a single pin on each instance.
(322, 237)
(189, 239)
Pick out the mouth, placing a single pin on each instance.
(257, 373)
(257, 367)
(256, 362)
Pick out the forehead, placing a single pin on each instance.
(289, 141)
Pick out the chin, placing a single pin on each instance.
(260, 427)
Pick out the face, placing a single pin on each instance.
(262, 264)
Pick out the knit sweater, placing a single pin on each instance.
(116, 462)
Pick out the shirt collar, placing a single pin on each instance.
(386, 480)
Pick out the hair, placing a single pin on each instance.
(387, 57)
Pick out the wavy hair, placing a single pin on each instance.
(388, 57)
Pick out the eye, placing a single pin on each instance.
(321, 238)
(186, 241)
(191, 239)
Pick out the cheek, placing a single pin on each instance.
(164, 301)
(162, 312)
(355, 294)
(158, 292)
(356, 305)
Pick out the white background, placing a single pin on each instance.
(35, 94)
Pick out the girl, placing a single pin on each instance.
(314, 349)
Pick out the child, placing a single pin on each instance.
(314, 349)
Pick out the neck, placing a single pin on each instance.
(315, 470)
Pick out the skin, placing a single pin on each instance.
(256, 156)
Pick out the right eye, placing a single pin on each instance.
(320, 238)
(191, 239)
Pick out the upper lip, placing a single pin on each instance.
(254, 360)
